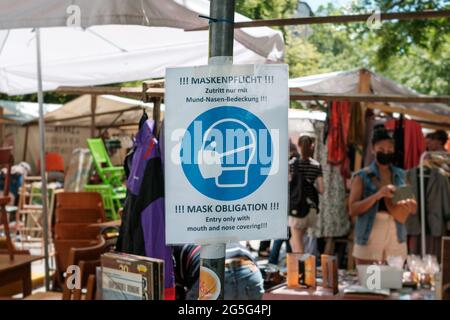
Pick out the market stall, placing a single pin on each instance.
(106, 51)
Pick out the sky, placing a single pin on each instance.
(314, 4)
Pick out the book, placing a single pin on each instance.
(131, 277)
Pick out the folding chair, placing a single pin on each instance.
(29, 213)
(111, 176)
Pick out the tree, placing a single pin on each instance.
(400, 38)
(414, 53)
(302, 57)
(268, 9)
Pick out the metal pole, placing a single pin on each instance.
(42, 156)
(221, 37)
(221, 33)
(422, 205)
(93, 111)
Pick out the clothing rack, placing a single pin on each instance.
(422, 195)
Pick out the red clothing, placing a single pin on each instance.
(339, 124)
(415, 143)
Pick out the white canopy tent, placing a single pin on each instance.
(69, 125)
(149, 39)
(110, 111)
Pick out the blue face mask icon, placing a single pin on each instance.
(226, 153)
(212, 162)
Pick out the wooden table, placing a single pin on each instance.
(18, 269)
(282, 292)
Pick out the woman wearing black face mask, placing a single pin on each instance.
(379, 230)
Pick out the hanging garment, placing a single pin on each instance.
(326, 129)
(339, 123)
(143, 221)
(437, 203)
(356, 129)
(414, 142)
(399, 138)
(333, 219)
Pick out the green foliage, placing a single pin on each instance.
(302, 57)
(415, 53)
(49, 97)
(267, 9)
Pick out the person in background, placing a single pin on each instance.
(436, 141)
(243, 279)
(377, 233)
(310, 171)
(264, 248)
(275, 251)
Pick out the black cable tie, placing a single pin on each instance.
(214, 20)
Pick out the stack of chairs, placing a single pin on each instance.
(76, 216)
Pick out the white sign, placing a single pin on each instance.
(226, 153)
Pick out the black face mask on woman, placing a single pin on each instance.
(385, 158)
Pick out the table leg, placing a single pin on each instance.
(26, 280)
(5, 222)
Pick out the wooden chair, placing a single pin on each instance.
(79, 207)
(88, 259)
(29, 214)
(76, 212)
(6, 161)
(79, 231)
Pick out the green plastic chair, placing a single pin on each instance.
(112, 189)
(110, 201)
(109, 174)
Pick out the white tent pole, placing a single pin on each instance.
(42, 157)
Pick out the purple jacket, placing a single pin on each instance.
(143, 221)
